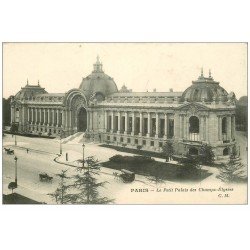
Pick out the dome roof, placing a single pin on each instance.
(98, 82)
(204, 89)
(29, 91)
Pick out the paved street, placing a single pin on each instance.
(40, 158)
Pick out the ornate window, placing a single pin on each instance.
(194, 124)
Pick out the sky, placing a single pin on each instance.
(140, 66)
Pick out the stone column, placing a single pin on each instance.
(119, 122)
(105, 121)
(112, 121)
(156, 125)
(201, 128)
(204, 128)
(28, 114)
(53, 117)
(229, 128)
(62, 117)
(133, 124)
(149, 122)
(48, 116)
(44, 116)
(126, 123)
(181, 127)
(66, 119)
(219, 128)
(233, 127)
(32, 115)
(185, 134)
(207, 129)
(36, 115)
(40, 117)
(11, 115)
(57, 117)
(14, 114)
(70, 119)
(140, 133)
(165, 126)
(23, 115)
(23, 119)
(20, 115)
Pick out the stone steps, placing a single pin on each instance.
(75, 137)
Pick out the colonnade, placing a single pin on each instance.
(137, 123)
(45, 116)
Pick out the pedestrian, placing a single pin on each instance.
(27, 150)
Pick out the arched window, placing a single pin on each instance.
(194, 124)
(193, 151)
(224, 125)
(226, 151)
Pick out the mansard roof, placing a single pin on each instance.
(29, 91)
(147, 94)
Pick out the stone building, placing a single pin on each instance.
(203, 113)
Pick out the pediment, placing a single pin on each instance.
(193, 107)
(16, 102)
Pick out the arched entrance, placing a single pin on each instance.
(82, 120)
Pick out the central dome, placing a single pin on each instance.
(204, 89)
(98, 83)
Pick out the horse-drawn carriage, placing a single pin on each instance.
(45, 177)
(9, 151)
(126, 176)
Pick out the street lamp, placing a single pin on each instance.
(83, 146)
(61, 142)
(15, 158)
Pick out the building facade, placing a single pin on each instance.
(203, 114)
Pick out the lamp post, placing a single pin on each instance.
(83, 146)
(15, 158)
(61, 142)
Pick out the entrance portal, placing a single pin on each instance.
(82, 120)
